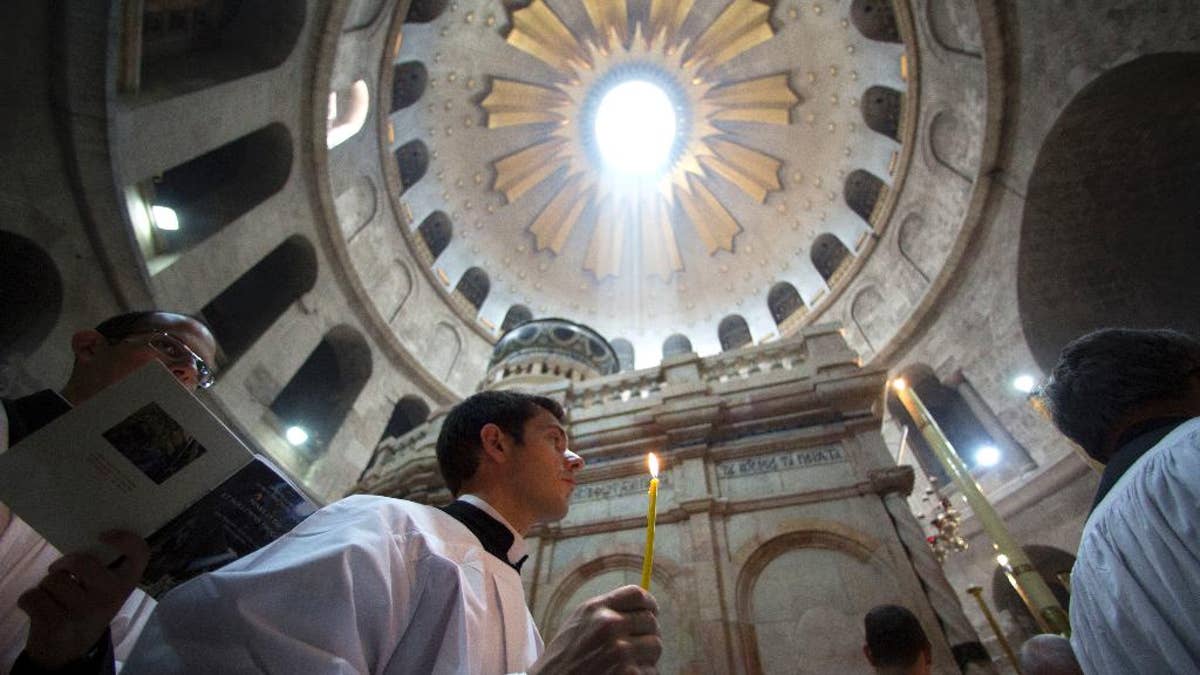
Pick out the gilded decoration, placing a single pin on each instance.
(662, 47)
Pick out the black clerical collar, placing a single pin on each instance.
(496, 537)
(1135, 442)
(30, 413)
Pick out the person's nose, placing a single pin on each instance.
(574, 462)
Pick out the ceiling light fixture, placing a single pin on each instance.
(635, 128)
(296, 435)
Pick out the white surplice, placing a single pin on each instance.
(365, 585)
(1135, 602)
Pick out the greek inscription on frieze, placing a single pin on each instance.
(783, 461)
(611, 489)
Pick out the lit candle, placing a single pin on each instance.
(648, 558)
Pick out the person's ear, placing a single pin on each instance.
(494, 443)
(86, 343)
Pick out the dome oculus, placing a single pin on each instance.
(635, 127)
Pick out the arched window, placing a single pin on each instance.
(828, 254)
(193, 201)
(408, 84)
(733, 333)
(347, 113)
(881, 110)
(251, 304)
(436, 232)
(676, 344)
(783, 300)
(863, 190)
(30, 295)
(517, 315)
(875, 19)
(321, 393)
(412, 158)
(201, 43)
(409, 413)
(424, 11)
(474, 286)
(624, 350)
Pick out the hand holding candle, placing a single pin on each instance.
(648, 558)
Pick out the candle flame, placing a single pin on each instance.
(899, 384)
(652, 460)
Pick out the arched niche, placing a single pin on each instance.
(409, 80)
(676, 344)
(436, 231)
(31, 295)
(952, 414)
(412, 159)
(603, 574)
(442, 348)
(348, 110)
(474, 287)
(828, 254)
(362, 14)
(424, 11)
(733, 332)
(515, 316)
(862, 191)
(1109, 233)
(321, 393)
(869, 312)
(409, 413)
(783, 300)
(881, 107)
(875, 19)
(208, 192)
(625, 354)
(241, 313)
(355, 206)
(200, 44)
(801, 597)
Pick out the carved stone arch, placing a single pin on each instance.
(676, 615)
(950, 144)
(954, 26)
(362, 14)
(866, 310)
(757, 555)
(443, 348)
(356, 206)
(912, 241)
(404, 286)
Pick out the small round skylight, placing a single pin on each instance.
(635, 128)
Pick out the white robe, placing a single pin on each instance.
(365, 585)
(1135, 602)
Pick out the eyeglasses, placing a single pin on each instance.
(176, 352)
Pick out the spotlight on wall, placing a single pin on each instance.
(1024, 383)
(164, 218)
(296, 435)
(988, 455)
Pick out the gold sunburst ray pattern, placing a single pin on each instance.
(583, 190)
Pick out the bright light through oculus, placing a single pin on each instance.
(635, 128)
(296, 435)
(165, 218)
(988, 455)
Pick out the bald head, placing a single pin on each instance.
(1048, 655)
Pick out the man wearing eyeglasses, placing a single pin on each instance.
(66, 604)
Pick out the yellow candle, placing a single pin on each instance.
(648, 558)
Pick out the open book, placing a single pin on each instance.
(145, 455)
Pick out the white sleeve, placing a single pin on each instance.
(332, 596)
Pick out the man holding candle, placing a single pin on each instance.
(378, 585)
